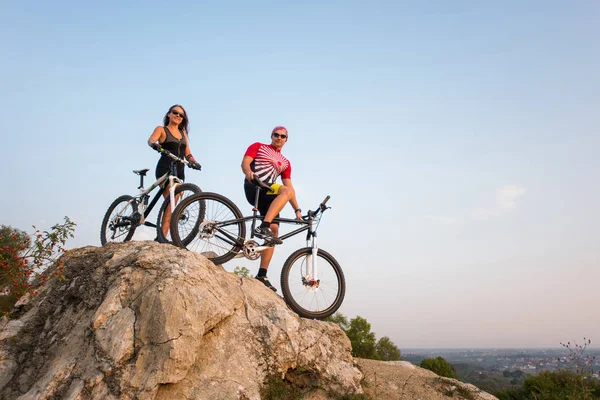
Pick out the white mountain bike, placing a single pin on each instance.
(127, 212)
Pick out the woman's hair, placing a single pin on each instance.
(183, 126)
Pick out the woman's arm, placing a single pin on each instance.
(158, 135)
(188, 151)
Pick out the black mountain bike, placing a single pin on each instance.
(127, 212)
(312, 281)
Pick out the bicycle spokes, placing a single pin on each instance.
(309, 295)
(220, 232)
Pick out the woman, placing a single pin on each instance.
(172, 136)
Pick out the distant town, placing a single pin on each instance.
(494, 369)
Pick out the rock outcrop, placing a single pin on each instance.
(142, 320)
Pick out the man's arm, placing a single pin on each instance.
(293, 201)
(246, 161)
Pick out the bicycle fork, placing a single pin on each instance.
(311, 273)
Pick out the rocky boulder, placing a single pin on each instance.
(143, 320)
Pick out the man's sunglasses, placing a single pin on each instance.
(175, 112)
(277, 135)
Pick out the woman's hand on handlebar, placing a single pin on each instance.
(155, 146)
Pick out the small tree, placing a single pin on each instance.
(362, 339)
(387, 350)
(24, 257)
(242, 272)
(577, 360)
(440, 366)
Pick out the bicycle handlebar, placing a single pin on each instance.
(322, 207)
(171, 155)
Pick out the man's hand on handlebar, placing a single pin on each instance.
(195, 165)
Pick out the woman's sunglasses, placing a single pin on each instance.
(277, 135)
(175, 112)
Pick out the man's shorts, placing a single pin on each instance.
(265, 198)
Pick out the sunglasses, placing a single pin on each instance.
(277, 135)
(175, 112)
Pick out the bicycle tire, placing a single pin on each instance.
(306, 300)
(215, 241)
(126, 227)
(185, 187)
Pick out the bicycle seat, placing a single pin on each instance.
(142, 172)
(257, 182)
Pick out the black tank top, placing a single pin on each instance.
(175, 146)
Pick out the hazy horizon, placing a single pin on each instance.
(458, 141)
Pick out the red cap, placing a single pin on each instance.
(279, 128)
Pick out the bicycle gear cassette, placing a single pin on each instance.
(206, 229)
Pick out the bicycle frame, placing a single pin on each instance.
(143, 196)
(311, 235)
(141, 199)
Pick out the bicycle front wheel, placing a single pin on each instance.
(313, 290)
(120, 221)
(220, 231)
(182, 192)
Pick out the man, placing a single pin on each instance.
(266, 162)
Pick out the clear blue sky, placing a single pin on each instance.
(458, 141)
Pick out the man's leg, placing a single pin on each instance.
(265, 260)
(267, 255)
(285, 194)
(264, 231)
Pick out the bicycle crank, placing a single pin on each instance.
(249, 250)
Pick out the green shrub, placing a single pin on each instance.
(561, 385)
(440, 366)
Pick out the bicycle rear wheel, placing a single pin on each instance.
(308, 297)
(182, 192)
(120, 221)
(220, 229)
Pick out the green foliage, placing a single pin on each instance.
(276, 388)
(242, 272)
(387, 350)
(24, 257)
(362, 339)
(574, 383)
(339, 319)
(462, 392)
(554, 385)
(560, 385)
(12, 242)
(440, 366)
